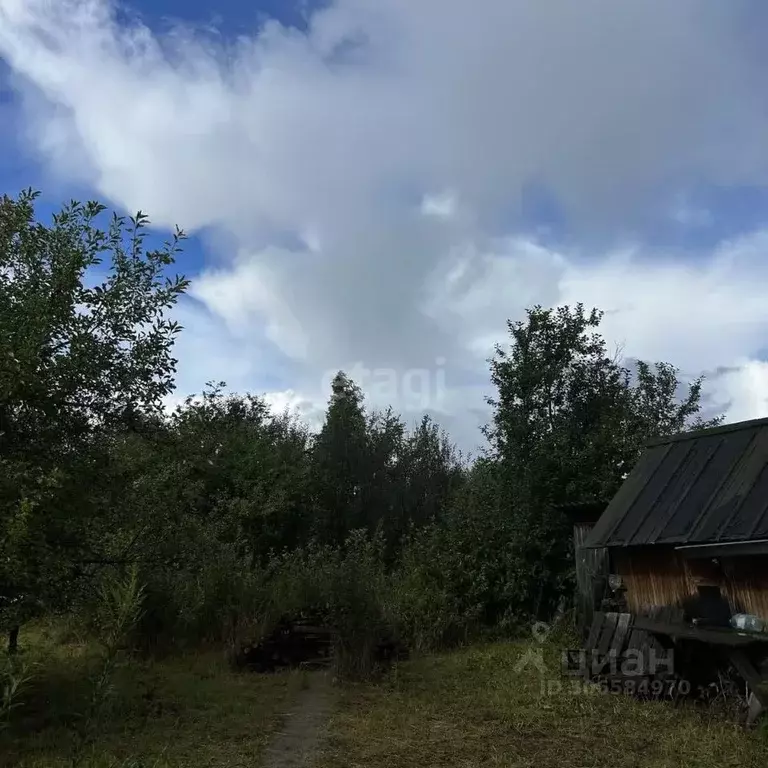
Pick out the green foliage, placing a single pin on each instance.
(340, 464)
(85, 351)
(15, 677)
(118, 609)
(77, 353)
(429, 601)
(231, 517)
(569, 421)
(117, 614)
(474, 574)
(346, 588)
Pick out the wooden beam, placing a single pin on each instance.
(758, 692)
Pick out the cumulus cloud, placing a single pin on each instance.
(288, 401)
(341, 137)
(744, 390)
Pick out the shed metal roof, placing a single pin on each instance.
(699, 487)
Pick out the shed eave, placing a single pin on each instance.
(724, 549)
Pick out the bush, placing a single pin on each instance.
(429, 601)
(219, 600)
(345, 588)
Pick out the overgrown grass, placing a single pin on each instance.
(474, 708)
(190, 710)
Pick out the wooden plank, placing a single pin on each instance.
(645, 652)
(608, 631)
(622, 631)
(594, 632)
(594, 635)
(654, 644)
(715, 636)
(746, 669)
(604, 643)
(591, 567)
(571, 665)
(635, 638)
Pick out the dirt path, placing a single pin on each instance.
(304, 726)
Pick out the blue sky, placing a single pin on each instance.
(396, 207)
(230, 17)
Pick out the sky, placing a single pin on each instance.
(379, 185)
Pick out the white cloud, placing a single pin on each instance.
(250, 291)
(744, 390)
(442, 206)
(698, 312)
(311, 413)
(334, 136)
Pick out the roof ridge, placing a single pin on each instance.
(721, 429)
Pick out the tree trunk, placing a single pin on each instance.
(13, 640)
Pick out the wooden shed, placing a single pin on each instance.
(693, 513)
(686, 538)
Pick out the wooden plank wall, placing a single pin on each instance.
(590, 565)
(658, 577)
(652, 577)
(747, 584)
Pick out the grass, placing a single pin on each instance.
(189, 710)
(474, 708)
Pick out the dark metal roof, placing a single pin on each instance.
(698, 487)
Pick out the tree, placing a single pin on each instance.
(341, 463)
(384, 498)
(248, 466)
(434, 472)
(85, 352)
(569, 420)
(370, 473)
(568, 423)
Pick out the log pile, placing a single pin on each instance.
(304, 643)
(291, 644)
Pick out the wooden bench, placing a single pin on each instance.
(615, 643)
(617, 639)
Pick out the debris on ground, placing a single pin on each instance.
(304, 643)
